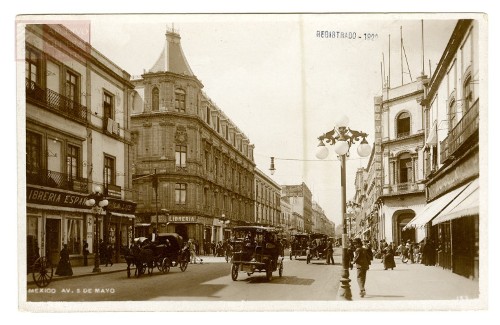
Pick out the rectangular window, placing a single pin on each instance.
(208, 115)
(109, 170)
(33, 152)
(74, 234)
(180, 193)
(207, 160)
(180, 100)
(180, 156)
(32, 68)
(72, 162)
(71, 87)
(108, 106)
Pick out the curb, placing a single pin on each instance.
(59, 278)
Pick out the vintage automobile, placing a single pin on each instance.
(299, 245)
(256, 249)
(317, 246)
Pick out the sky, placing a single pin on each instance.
(280, 82)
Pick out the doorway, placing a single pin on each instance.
(53, 235)
(182, 230)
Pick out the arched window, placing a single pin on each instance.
(155, 100)
(180, 100)
(403, 125)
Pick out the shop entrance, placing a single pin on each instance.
(53, 235)
(182, 230)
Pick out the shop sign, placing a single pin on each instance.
(115, 205)
(55, 198)
(48, 197)
(184, 219)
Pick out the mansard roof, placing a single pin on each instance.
(172, 57)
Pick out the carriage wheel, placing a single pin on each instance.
(42, 272)
(234, 272)
(269, 273)
(165, 265)
(183, 265)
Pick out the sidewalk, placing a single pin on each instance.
(413, 282)
(81, 271)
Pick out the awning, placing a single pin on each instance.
(142, 224)
(432, 137)
(466, 204)
(125, 215)
(433, 208)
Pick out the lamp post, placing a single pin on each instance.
(342, 137)
(97, 201)
(223, 221)
(352, 209)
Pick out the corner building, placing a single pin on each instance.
(202, 162)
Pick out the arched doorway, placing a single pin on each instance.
(400, 220)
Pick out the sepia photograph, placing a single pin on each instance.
(252, 162)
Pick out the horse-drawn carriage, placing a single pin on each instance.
(256, 249)
(167, 250)
(39, 266)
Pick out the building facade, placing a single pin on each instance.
(77, 119)
(300, 197)
(267, 201)
(452, 165)
(400, 153)
(193, 167)
(286, 216)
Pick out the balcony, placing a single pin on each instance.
(463, 131)
(54, 101)
(403, 188)
(54, 179)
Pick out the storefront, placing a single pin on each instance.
(56, 217)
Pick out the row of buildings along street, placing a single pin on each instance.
(169, 159)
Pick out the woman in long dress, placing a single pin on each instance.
(389, 262)
(64, 266)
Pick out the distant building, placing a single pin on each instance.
(203, 163)
(301, 200)
(267, 201)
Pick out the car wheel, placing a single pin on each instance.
(234, 272)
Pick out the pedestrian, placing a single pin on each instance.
(85, 252)
(388, 258)
(369, 250)
(329, 252)
(362, 261)
(350, 253)
(109, 254)
(102, 252)
(64, 266)
(192, 252)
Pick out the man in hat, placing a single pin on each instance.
(362, 261)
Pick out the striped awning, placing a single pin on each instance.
(465, 204)
(432, 209)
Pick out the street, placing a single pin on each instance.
(210, 281)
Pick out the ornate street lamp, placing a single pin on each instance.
(98, 203)
(342, 138)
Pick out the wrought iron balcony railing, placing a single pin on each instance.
(54, 101)
(403, 188)
(466, 127)
(49, 178)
